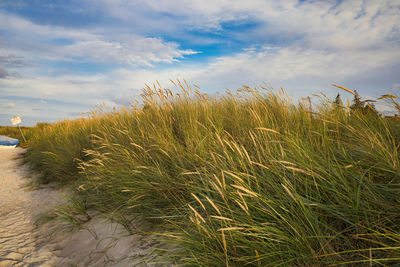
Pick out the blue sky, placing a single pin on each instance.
(60, 58)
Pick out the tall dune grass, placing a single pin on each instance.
(249, 178)
(18, 133)
(55, 149)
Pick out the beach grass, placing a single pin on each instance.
(247, 178)
(20, 134)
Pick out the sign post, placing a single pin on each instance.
(16, 120)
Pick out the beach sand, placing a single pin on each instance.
(23, 243)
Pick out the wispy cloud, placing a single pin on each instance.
(128, 50)
(32, 109)
(3, 72)
(323, 24)
(301, 45)
(12, 61)
(85, 44)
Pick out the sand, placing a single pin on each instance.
(19, 239)
(24, 243)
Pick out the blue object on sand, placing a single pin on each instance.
(8, 141)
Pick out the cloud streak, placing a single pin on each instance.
(129, 50)
(303, 46)
(3, 72)
(86, 45)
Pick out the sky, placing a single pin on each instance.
(60, 58)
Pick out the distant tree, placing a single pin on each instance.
(366, 106)
(338, 101)
(370, 108)
(357, 103)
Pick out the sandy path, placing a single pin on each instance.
(97, 243)
(20, 241)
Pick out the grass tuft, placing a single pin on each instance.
(249, 178)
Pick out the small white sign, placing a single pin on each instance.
(16, 120)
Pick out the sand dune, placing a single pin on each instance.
(98, 243)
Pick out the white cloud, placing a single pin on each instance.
(16, 24)
(89, 45)
(75, 89)
(323, 24)
(12, 61)
(132, 50)
(303, 69)
(303, 47)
